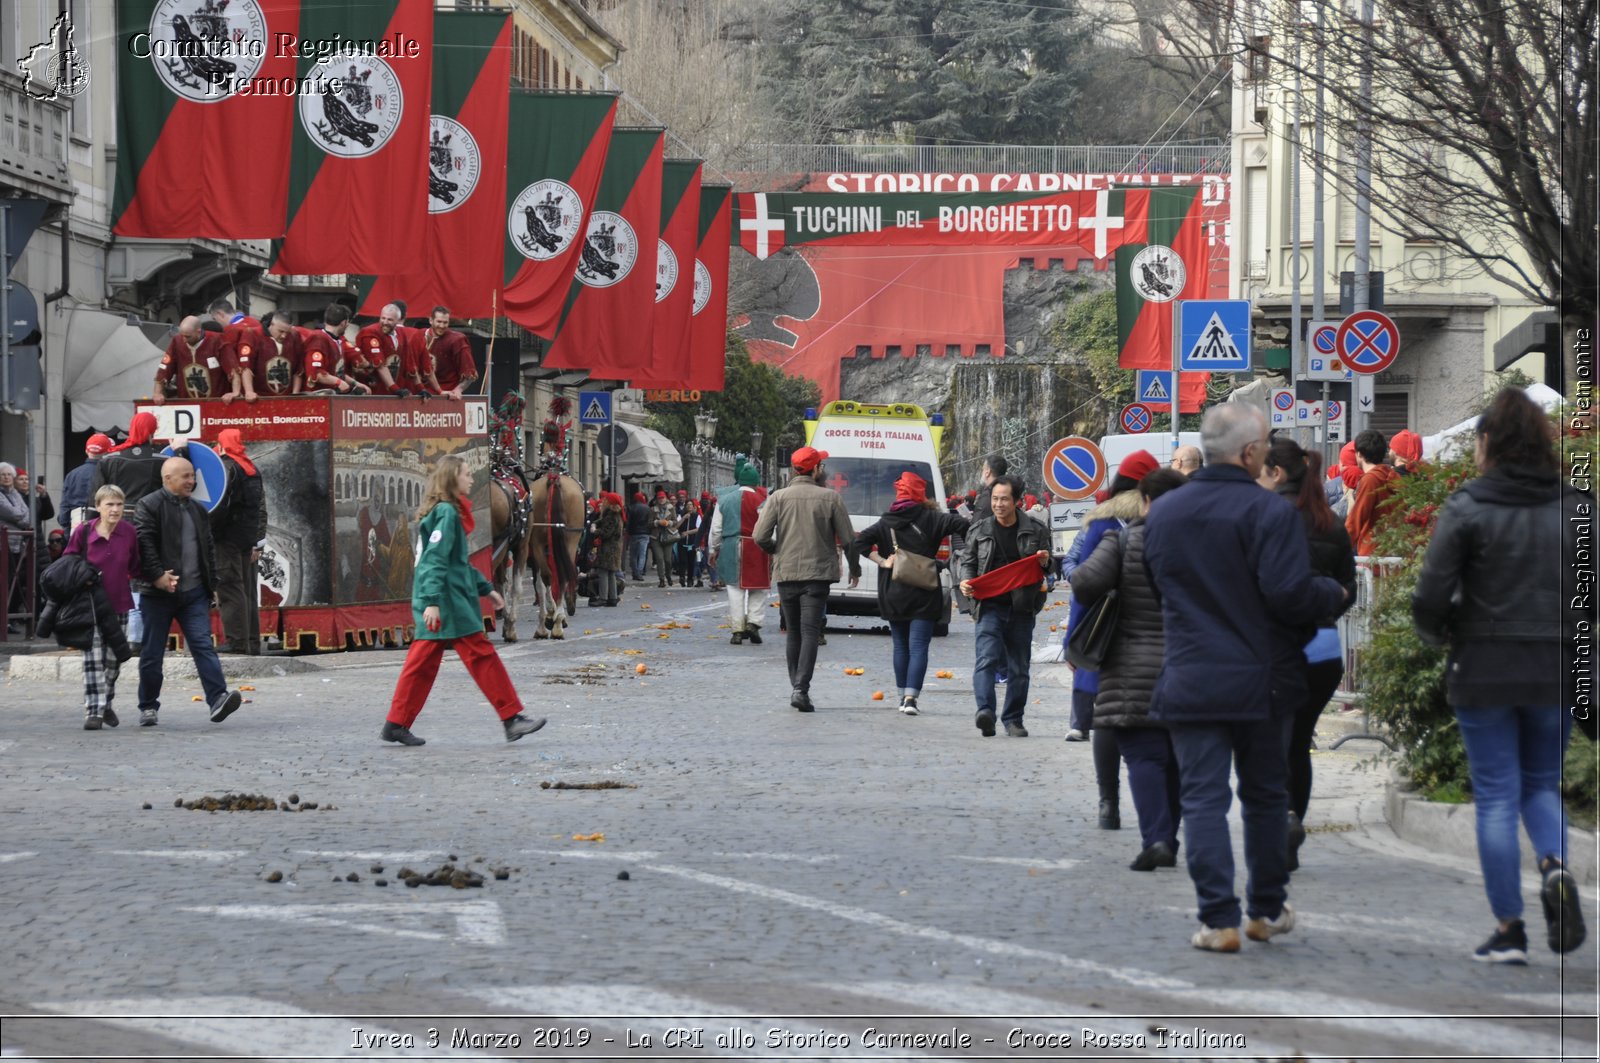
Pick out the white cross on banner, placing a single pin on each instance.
(763, 225)
(1100, 222)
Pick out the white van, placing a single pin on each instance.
(869, 445)
(1117, 447)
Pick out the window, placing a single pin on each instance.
(1308, 184)
(1255, 232)
(1391, 411)
(867, 484)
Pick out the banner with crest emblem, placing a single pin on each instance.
(358, 192)
(708, 327)
(1164, 259)
(675, 257)
(553, 167)
(608, 321)
(466, 171)
(204, 151)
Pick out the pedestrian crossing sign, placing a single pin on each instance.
(1152, 385)
(594, 407)
(1214, 335)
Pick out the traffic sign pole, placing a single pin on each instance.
(1172, 389)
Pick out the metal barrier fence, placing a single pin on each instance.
(1355, 634)
(17, 580)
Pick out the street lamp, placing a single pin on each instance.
(705, 430)
(755, 452)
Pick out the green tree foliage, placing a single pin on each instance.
(933, 70)
(755, 397)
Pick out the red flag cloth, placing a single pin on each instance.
(675, 276)
(1008, 578)
(708, 327)
(466, 172)
(202, 151)
(608, 324)
(358, 188)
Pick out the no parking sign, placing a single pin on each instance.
(1074, 468)
(1136, 418)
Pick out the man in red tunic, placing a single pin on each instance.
(745, 570)
(448, 355)
(325, 354)
(192, 363)
(241, 342)
(276, 364)
(379, 363)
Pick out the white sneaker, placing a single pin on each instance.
(1265, 929)
(1075, 735)
(908, 707)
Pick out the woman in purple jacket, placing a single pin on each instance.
(112, 546)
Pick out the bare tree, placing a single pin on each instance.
(1482, 125)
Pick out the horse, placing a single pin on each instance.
(553, 549)
(512, 536)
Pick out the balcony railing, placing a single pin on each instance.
(33, 142)
(983, 158)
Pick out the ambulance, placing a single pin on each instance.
(869, 444)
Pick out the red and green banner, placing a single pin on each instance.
(708, 327)
(553, 166)
(206, 120)
(358, 191)
(1164, 260)
(675, 273)
(608, 321)
(466, 171)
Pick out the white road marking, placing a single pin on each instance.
(248, 1028)
(476, 922)
(1021, 861)
(9, 858)
(6, 744)
(208, 856)
(668, 1010)
(1129, 975)
(793, 858)
(393, 858)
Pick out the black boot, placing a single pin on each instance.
(753, 635)
(1110, 815)
(738, 637)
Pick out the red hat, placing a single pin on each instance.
(1407, 445)
(910, 486)
(1351, 475)
(638, 496)
(1347, 454)
(1138, 465)
(661, 492)
(1029, 501)
(98, 443)
(807, 458)
(683, 492)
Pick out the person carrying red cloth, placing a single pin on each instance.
(1001, 568)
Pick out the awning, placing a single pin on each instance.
(110, 363)
(649, 456)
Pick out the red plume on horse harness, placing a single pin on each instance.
(553, 452)
(506, 470)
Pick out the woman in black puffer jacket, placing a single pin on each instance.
(1128, 675)
(1296, 474)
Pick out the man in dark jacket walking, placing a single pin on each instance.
(1238, 601)
(638, 526)
(240, 533)
(1006, 604)
(176, 559)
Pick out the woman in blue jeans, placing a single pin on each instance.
(914, 524)
(1491, 590)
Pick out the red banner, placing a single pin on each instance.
(608, 323)
(203, 147)
(466, 171)
(358, 186)
(675, 276)
(708, 329)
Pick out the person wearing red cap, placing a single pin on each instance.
(663, 533)
(913, 525)
(1334, 487)
(1120, 509)
(1001, 568)
(1406, 450)
(77, 490)
(609, 529)
(803, 526)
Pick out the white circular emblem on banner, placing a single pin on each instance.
(359, 119)
(702, 286)
(454, 163)
(666, 270)
(1157, 273)
(544, 219)
(204, 52)
(610, 249)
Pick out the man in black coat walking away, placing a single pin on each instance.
(240, 533)
(1238, 601)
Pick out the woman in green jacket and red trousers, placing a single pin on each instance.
(444, 598)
